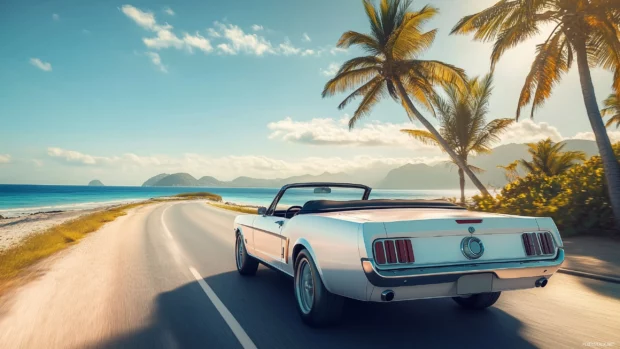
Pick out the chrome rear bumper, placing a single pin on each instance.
(445, 274)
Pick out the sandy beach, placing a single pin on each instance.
(15, 229)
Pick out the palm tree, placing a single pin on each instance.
(585, 30)
(463, 124)
(510, 171)
(612, 109)
(393, 67)
(548, 158)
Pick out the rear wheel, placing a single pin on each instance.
(246, 264)
(315, 304)
(478, 301)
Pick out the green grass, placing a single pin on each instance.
(242, 209)
(199, 195)
(36, 247)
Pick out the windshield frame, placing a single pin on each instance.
(274, 204)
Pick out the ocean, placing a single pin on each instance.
(24, 199)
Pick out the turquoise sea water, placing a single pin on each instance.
(20, 199)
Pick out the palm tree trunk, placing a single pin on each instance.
(457, 159)
(462, 184)
(610, 163)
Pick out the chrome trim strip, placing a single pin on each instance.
(265, 231)
(430, 275)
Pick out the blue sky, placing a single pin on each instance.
(121, 91)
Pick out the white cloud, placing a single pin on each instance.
(614, 136)
(197, 41)
(337, 50)
(169, 11)
(5, 158)
(331, 70)
(55, 17)
(526, 131)
(308, 52)
(256, 27)
(165, 38)
(156, 60)
(332, 132)
(288, 49)
(239, 41)
(305, 37)
(45, 66)
(37, 162)
(78, 158)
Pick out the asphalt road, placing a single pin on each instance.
(164, 277)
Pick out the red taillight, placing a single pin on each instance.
(537, 244)
(394, 251)
(390, 251)
(379, 253)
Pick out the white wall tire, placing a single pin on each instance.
(315, 304)
(246, 264)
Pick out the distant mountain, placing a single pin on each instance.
(410, 176)
(208, 181)
(151, 181)
(177, 180)
(444, 175)
(95, 183)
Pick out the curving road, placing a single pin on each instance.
(164, 277)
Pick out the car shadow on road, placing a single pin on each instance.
(264, 306)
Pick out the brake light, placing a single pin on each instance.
(538, 244)
(393, 251)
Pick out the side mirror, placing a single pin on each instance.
(262, 211)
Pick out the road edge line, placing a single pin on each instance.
(163, 224)
(236, 328)
(589, 275)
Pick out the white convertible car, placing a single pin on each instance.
(392, 250)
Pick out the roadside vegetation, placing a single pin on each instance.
(236, 208)
(574, 195)
(199, 195)
(38, 246)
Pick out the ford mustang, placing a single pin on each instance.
(337, 243)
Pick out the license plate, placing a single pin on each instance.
(477, 283)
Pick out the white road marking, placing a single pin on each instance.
(163, 224)
(242, 337)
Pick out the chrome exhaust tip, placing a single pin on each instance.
(542, 282)
(387, 295)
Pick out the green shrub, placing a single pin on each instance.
(577, 200)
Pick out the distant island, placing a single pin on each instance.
(95, 183)
(410, 176)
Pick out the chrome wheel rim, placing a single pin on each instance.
(239, 252)
(304, 287)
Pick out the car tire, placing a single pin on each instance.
(322, 308)
(246, 264)
(478, 301)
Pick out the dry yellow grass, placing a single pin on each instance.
(38, 246)
(199, 195)
(242, 209)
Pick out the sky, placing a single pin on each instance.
(122, 91)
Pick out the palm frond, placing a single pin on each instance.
(371, 98)
(360, 62)
(550, 64)
(487, 23)
(612, 109)
(438, 73)
(423, 136)
(367, 43)
(362, 90)
(348, 80)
